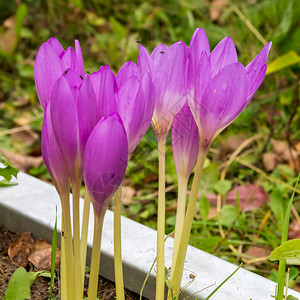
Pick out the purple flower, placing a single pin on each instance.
(105, 160)
(185, 142)
(105, 87)
(134, 102)
(167, 68)
(52, 155)
(219, 88)
(73, 115)
(51, 62)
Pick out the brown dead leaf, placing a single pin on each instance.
(270, 161)
(22, 162)
(216, 9)
(251, 196)
(294, 230)
(257, 252)
(284, 153)
(20, 250)
(40, 256)
(230, 145)
(127, 193)
(26, 137)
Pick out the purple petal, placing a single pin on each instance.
(145, 62)
(47, 70)
(198, 84)
(223, 100)
(170, 86)
(65, 125)
(105, 160)
(68, 59)
(73, 78)
(105, 87)
(256, 69)
(199, 43)
(52, 155)
(87, 112)
(185, 142)
(79, 66)
(223, 54)
(127, 70)
(56, 46)
(135, 106)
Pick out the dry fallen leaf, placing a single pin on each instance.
(257, 252)
(294, 230)
(40, 256)
(270, 161)
(285, 153)
(251, 196)
(22, 162)
(20, 250)
(216, 9)
(127, 193)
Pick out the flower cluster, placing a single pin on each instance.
(93, 122)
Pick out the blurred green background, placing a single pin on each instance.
(109, 33)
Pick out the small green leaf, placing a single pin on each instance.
(204, 207)
(228, 215)
(223, 186)
(8, 171)
(135, 208)
(290, 297)
(289, 250)
(284, 61)
(18, 286)
(5, 183)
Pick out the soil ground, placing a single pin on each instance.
(40, 287)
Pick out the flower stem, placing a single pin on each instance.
(181, 205)
(117, 246)
(160, 275)
(84, 234)
(284, 237)
(95, 260)
(63, 279)
(184, 240)
(76, 232)
(67, 235)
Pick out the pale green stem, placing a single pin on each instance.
(67, 235)
(95, 260)
(284, 237)
(63, 279)
(184, 240)
(160, 275)
(76, 235)
(117, 246)
(181, 205)
(84, 234)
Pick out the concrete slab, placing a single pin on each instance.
(31, 206)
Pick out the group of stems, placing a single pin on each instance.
(182, 237)
(74, 247)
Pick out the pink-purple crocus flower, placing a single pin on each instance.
(105, 160)
(219, 88)
(51, 62)
(74, 115)
(134, 102)
(130, 94)
(185, 142)
(166, 67)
